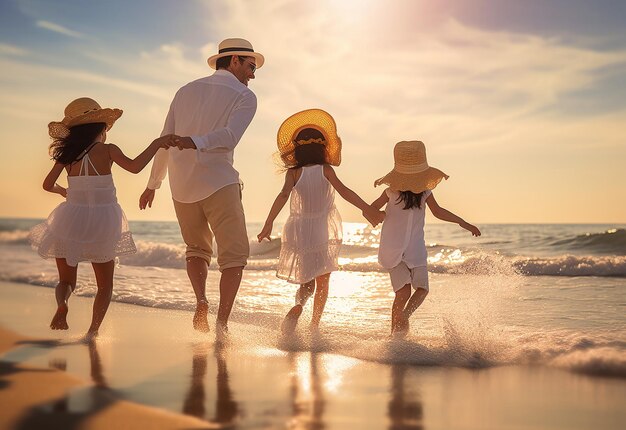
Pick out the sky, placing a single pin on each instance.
(523, 104)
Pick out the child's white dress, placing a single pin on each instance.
(402, 234)
(312, 234)
(88, 226)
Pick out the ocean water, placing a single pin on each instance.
(544, 295)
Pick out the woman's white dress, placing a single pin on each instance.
(312, 234)
(88, 226)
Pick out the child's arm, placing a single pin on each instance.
(372, 215)
(446, 215)
(380, 201)
(280, 201)
(137, 164)
(50, 184)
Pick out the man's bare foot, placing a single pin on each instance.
(200, 321)
(59, 320)
(291, 320)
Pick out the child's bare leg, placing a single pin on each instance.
(321, 295)
(302, 295)
(104, 280)
(62, 292)
(398, 321)
(414, 302)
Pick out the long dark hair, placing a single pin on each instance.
(311, 153)
(66, 150)
(410, 199)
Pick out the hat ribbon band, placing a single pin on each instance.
(235, 49)
(417, 168)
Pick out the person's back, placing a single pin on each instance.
(402, 233)
(312, 234)
(210, 116)
(309, 146)
(89, 225)
(215, 111)
(402, 248)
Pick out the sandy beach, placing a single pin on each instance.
(150, 370)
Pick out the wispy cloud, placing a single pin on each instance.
(12, 50)
(59, 29)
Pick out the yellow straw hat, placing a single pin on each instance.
(235, 46)
(311, 118)
(411, 171)
(83, 111)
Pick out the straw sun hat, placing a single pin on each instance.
(411, 171)
(236, 46)
(311, 118)
(83, 111)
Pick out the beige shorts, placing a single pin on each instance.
(402, 275)
(220, 215)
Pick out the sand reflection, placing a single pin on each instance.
(226, 408)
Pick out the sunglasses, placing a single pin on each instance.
(252, 65)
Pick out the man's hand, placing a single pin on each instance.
(146, 199)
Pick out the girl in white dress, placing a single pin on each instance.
(402, 249)
(90, 225)
(309, 146)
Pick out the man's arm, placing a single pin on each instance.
(159, 165)
(226, 138)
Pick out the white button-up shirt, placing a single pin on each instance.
(215, 112)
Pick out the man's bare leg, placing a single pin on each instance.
(197, 271)
(62, 292)
(104, 281)
(229, 286)
(321, 295)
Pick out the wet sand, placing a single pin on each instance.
(149, 369)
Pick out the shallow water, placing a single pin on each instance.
(553, 295)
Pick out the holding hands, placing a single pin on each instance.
(172, 140)
(373, 215)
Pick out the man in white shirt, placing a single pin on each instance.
(209, 117)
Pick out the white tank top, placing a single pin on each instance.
(402, 235)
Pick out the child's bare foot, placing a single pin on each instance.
(221, 334)
(291, 320)
(90, 336)
(59, 320)
(200, 321)
(401, 328)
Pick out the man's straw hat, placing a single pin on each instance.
(311, 118)
(83, 111)
(236, 46)
(411, 171)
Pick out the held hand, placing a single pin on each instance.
(182, 142)
(265, 233)
(146, 199)
(165, 141)
(373, 216)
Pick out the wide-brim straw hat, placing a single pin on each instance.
(411, 171)
(311, 118)
(83, 111)
(235, 46)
